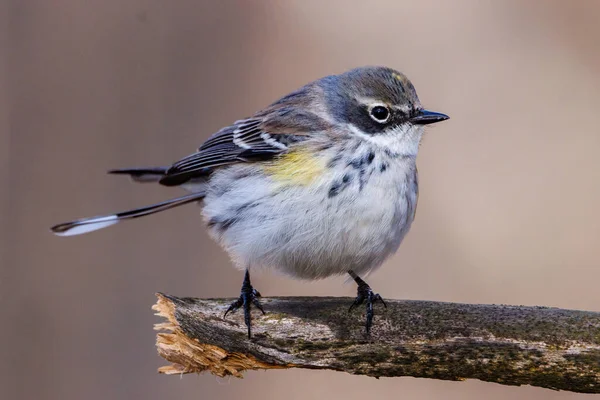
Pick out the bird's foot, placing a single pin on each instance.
(364, 293)
(248, 296)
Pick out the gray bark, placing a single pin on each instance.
(539, 346)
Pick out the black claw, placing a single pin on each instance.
(248, 296)
(379, 298)
(256, 302)
(358, 301)
(234, 306)
(364, 292)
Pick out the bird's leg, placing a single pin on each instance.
(363, 293)
(248, 296)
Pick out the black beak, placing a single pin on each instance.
(425, 117)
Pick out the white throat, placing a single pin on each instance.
(403, 140)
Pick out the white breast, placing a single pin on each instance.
(353, 217)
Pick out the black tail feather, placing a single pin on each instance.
(153, 174)
(92, 224)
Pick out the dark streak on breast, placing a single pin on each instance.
(334, 160)
(362, 161)
(339, 186)
(225, 223)
(246, 206)
(221, 224)
(361, 165)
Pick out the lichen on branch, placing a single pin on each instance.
(540, 346)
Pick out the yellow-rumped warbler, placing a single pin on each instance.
(321, 182)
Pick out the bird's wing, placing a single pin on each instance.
(254, 139)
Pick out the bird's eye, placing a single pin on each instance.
(380, 114)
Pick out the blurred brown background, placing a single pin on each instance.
(509, 186)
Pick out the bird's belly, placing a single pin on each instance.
(310, 232)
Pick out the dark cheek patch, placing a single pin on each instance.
(358, 115)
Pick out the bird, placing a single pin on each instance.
(323, 182)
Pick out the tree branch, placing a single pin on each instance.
(539, 346)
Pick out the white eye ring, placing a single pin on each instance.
(379, 113)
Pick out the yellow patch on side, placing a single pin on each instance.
(298, 167)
